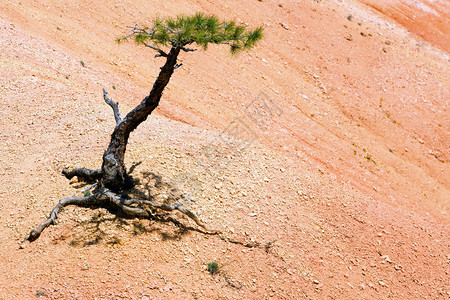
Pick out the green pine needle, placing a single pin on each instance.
(199, 29)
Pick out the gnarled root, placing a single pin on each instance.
(83, 174)
(79, 201)
(127, 207)
(132, 208)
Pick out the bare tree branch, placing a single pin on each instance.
(188, 49)
(114, 105)
(173, 31)
(161, 52)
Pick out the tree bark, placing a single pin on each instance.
(114, 174)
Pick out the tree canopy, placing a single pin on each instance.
(200, 29)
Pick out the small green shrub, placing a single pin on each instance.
(213, 268)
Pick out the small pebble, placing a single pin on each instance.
(382, 283)
(284, 26)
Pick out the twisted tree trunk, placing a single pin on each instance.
(113, 172)
(113, 178)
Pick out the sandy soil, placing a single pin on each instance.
(349, 179)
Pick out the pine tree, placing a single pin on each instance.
(168, 37)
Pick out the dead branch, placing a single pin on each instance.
(161, 52)
(188, 49)
(114, 106)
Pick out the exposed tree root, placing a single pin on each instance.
(79, 201)
(230, 283)
(220, 234)
(83, 174)
(135, 208)
(132, 208)
(125, 206)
